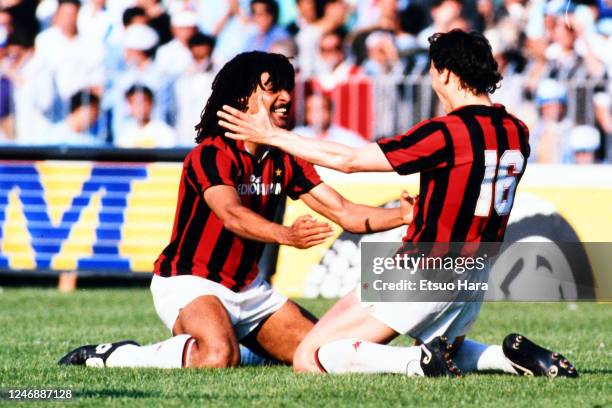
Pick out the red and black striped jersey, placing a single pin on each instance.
(200, 245)
(470, 161)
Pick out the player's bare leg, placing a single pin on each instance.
(293, 321)
(352, 340)
(206, 320)
(346, 320)
(203, 337)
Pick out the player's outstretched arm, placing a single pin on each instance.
(258, 128)
(303, 233)
(358, 218)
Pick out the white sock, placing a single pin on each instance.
(358, 356)
(474, 356)
(166, 354)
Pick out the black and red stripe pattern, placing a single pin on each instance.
(200, 245)
(453, 154)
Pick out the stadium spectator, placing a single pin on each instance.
(443, 13)
(308, 12)
(485, 15)
(562, 60)
(95, 22)
(593, 40)
(549, 137)
(383, 58)
(76, 128)
(158, 18)
(134, 15)
(334, 67)
(318, 114)
(229, 27)
(603, 117)
(174, 57)
(6, 110)
(114, 61)
(286, 47)
(305, 33)
(328, 16)
(139, 44)
(380, 15)
(141, 130)
(21, 14)
(31, 89)
(193, 87)
(345, 82)
(73, 63)
(584, 140)
(267, 31)
(367, 14)
(6, 25)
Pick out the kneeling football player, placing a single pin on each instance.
(205, 285)
(470, 162)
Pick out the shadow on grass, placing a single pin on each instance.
(600, 371)
(116, 394)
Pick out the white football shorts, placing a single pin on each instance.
(246, 309)
(426, 320)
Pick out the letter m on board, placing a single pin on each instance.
(112, 181)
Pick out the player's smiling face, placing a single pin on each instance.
(276, 101)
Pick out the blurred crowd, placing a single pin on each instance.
(137, 73)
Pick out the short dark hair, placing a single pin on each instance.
(467, 55)
(339, 32)
(75, 2)
(438, 3)
(271, 7)
(138, 88)
(324, 96)
(20, 38)
(130, 13)
(237, 80)
(83, 98)
(202, 39)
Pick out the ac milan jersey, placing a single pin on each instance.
(470, 161)
(200, 245)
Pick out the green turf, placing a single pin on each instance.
(38, 326)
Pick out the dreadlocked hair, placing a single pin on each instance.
(237, 80)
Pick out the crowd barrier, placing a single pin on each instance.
(384, 105)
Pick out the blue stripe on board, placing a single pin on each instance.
(92, 264)
(13, 169)
(105, 250)
(131, 172)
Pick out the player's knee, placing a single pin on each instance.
(223, 356)
(304, 360)
(220, 355)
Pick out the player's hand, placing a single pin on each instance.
(252, 127)
(234, 7)
(407, 202)
(307, 232)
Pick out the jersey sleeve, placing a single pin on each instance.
(212, 167)
(304, 178)
(424, 147)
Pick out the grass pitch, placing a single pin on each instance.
(38, 326)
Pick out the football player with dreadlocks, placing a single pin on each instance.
(205, 286)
